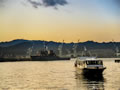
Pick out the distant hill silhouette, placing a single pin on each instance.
(20, 47)
(13, 42)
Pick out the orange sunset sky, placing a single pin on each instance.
(97, 20)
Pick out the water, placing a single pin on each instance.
(56, 75)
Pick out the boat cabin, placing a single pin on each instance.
(88, 63)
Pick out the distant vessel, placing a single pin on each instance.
(47, 55)
(89, 65)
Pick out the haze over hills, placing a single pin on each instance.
(21, 47)
(13, 42)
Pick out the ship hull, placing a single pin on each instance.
(14, 59)
(48, 58)
(92, 72)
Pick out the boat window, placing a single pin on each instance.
(100, 62)
(94, 63)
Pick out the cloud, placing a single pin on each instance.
(35, 3)
(54, 2)
(47, 3)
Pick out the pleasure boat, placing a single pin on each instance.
(89, 65)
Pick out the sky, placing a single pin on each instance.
(58, 20)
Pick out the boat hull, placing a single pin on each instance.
(87, 71)
(48, 58)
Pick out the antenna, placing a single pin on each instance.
(45, 46)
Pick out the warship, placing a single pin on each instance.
(48, 56)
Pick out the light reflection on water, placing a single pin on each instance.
(90, 82)
(56, 75)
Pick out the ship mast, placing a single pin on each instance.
(45, 46)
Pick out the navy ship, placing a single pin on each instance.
(48, 56)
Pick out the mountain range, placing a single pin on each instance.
(21, 47)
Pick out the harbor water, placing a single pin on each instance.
(56, 75)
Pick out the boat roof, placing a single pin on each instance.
(88, 59)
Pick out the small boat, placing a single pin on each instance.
(89, 65)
